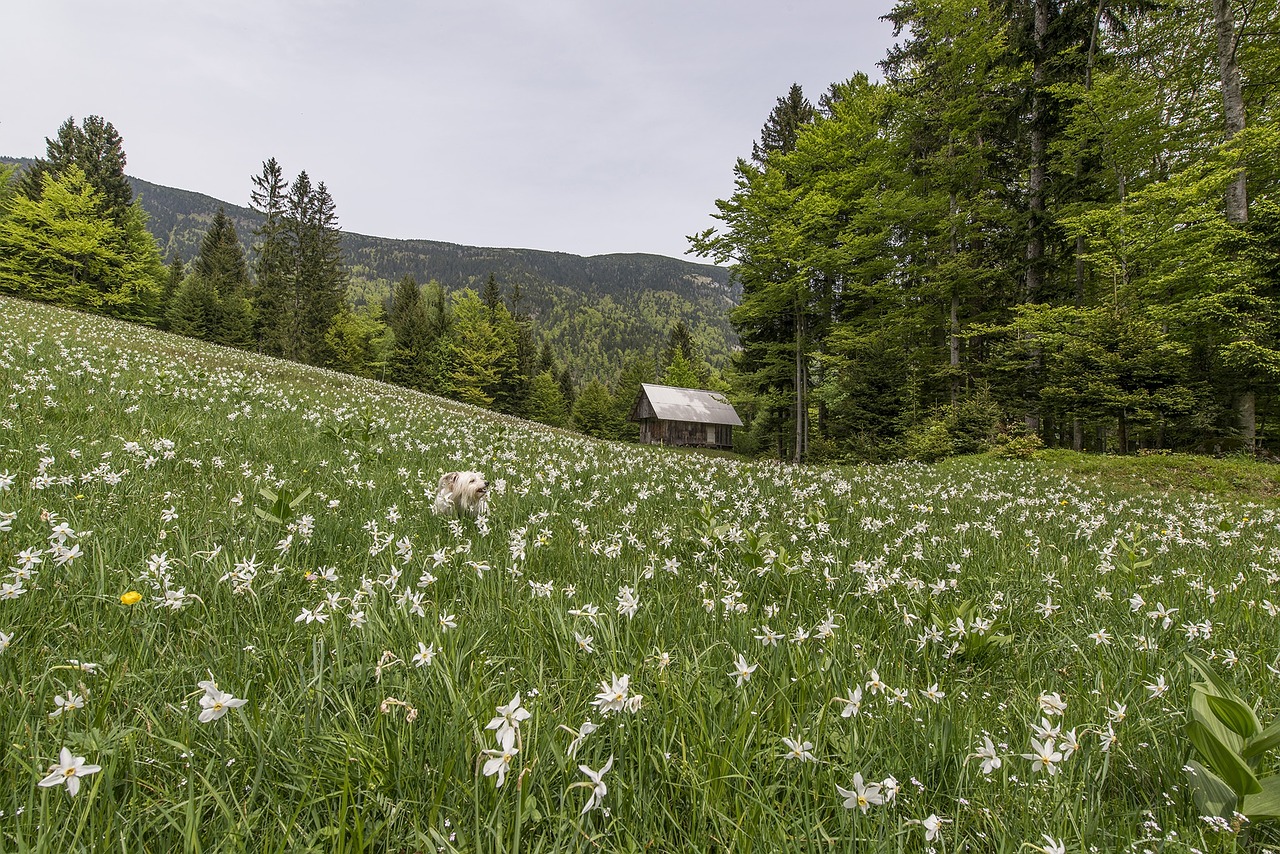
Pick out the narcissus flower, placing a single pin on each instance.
(68, 772)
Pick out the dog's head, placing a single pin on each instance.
(467, 488)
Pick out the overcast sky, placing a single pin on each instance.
(583, 126)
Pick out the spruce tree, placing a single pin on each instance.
(270, 289)
(221, 264)
(409, 363)
(491, 296)
(546, 402)
(98, 150)
(789, 114)
(175, 273)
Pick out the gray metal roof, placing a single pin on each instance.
(689, 404)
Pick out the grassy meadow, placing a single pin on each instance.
(762, 658)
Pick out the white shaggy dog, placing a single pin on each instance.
(462, 491)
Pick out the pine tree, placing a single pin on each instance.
(270, 290)
(222, 266)
(593, 412)
(194, 310)
(176, 272)
(791, 112)
(491, 296)
(413, 342)
(546, 402)
(97, 149)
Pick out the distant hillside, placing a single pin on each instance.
(594, 310)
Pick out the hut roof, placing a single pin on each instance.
(686, 404)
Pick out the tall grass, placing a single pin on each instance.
(154, 451)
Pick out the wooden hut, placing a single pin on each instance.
(684, 416)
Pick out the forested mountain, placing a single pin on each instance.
(594, 311)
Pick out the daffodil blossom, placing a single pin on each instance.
(797, 749)
(598, 788)
(987, 753)
(68, 771)
(508, 720)
(742, 670)
(862, 796)
(215, 703)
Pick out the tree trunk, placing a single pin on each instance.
(1122, 432)
(1232, 100)
(1237, 201)
(955, 311)
(1036, 177)
(1077, 434)
(802, 382)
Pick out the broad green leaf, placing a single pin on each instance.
(1204, 714)
(1266, 803)
(1237, 716)
(1223, 760)
(1212, 796)
(1266, 740)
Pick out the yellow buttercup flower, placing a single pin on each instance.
(133, 597)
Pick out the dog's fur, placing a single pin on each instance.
(462, 492)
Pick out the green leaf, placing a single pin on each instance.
(1212, 796)
(1266, 740)
(1223, 760)
(1266, 803)
(1201, 712)
(1237, 716)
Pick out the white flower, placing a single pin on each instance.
(862, 796)
(68, 771)
(852, 705)
(500, 760)
(932, 827)
(508, 721)
(424, 654)
(5, 640)
(1051, 845)
(987, 753)
(874, 685)
(1158, 687)
(1043, 756)
(580, 736)
(215, 703)
(69, 703)
(598, 788)
(742, 670)
(797, 749)
(614, 696)
(1052, 704)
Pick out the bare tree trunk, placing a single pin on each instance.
(955, 311)
(802, 382)
(1237, 201)
(1036, 178)
(1232, 100)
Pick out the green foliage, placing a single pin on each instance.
(594, 411)
(65, 248)
(546, 402)
(1231, 741)
(1032, 204)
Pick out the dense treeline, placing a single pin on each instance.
(71, 233)
(1054, 220)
